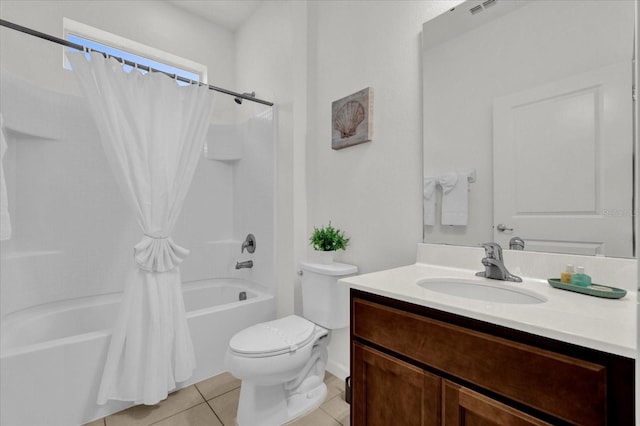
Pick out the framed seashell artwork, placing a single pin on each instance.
(352, 119)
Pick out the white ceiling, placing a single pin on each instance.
(228, 13)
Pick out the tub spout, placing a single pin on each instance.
(245, 264)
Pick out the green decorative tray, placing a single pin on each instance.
(596, 290)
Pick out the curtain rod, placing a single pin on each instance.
(57, 40)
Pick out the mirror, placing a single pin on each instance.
(528, 126)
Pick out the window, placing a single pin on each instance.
(121, 47)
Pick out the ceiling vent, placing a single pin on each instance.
(481, 7)
(476, 9)
(487, 4)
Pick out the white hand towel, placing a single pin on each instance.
(429, 190)
(455, 198)
(5, 221)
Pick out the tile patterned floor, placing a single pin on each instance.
(213, 402)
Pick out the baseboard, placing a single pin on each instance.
(337, 369)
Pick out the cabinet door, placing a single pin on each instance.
(387, 391)
(463, 406)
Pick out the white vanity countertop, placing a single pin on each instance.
(608, 325)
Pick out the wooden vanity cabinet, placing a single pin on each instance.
(412, 365)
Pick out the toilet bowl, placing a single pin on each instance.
(282, 362)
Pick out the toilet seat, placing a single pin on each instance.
(273, 338)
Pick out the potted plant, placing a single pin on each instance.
(326, 240)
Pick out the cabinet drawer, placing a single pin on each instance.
(568, 388)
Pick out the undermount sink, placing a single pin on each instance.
(481, 290)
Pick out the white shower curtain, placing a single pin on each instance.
(153, 132)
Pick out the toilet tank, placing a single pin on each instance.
(324, 301)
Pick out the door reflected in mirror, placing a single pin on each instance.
(536, 98)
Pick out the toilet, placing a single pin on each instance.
(282, 363)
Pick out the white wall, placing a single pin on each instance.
(372, 191)
(154, 23)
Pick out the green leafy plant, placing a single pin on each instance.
(328, 238)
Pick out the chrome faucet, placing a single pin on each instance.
(245, 264)
(494, 265)
(516, 243)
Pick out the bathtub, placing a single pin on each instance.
(52, 355)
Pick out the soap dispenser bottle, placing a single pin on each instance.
(580, 278)
(565, 276)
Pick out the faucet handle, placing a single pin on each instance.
(492, 250)
(249, 243)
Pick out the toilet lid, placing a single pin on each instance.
(273, 337)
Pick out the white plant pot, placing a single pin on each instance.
(325, 257)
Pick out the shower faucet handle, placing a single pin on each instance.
(249, 243)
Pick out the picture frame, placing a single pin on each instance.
(352, 119)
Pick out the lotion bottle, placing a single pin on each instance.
(580, 278)
(565, 276)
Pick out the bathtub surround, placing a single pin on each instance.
(153, 149)
(64, 366)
